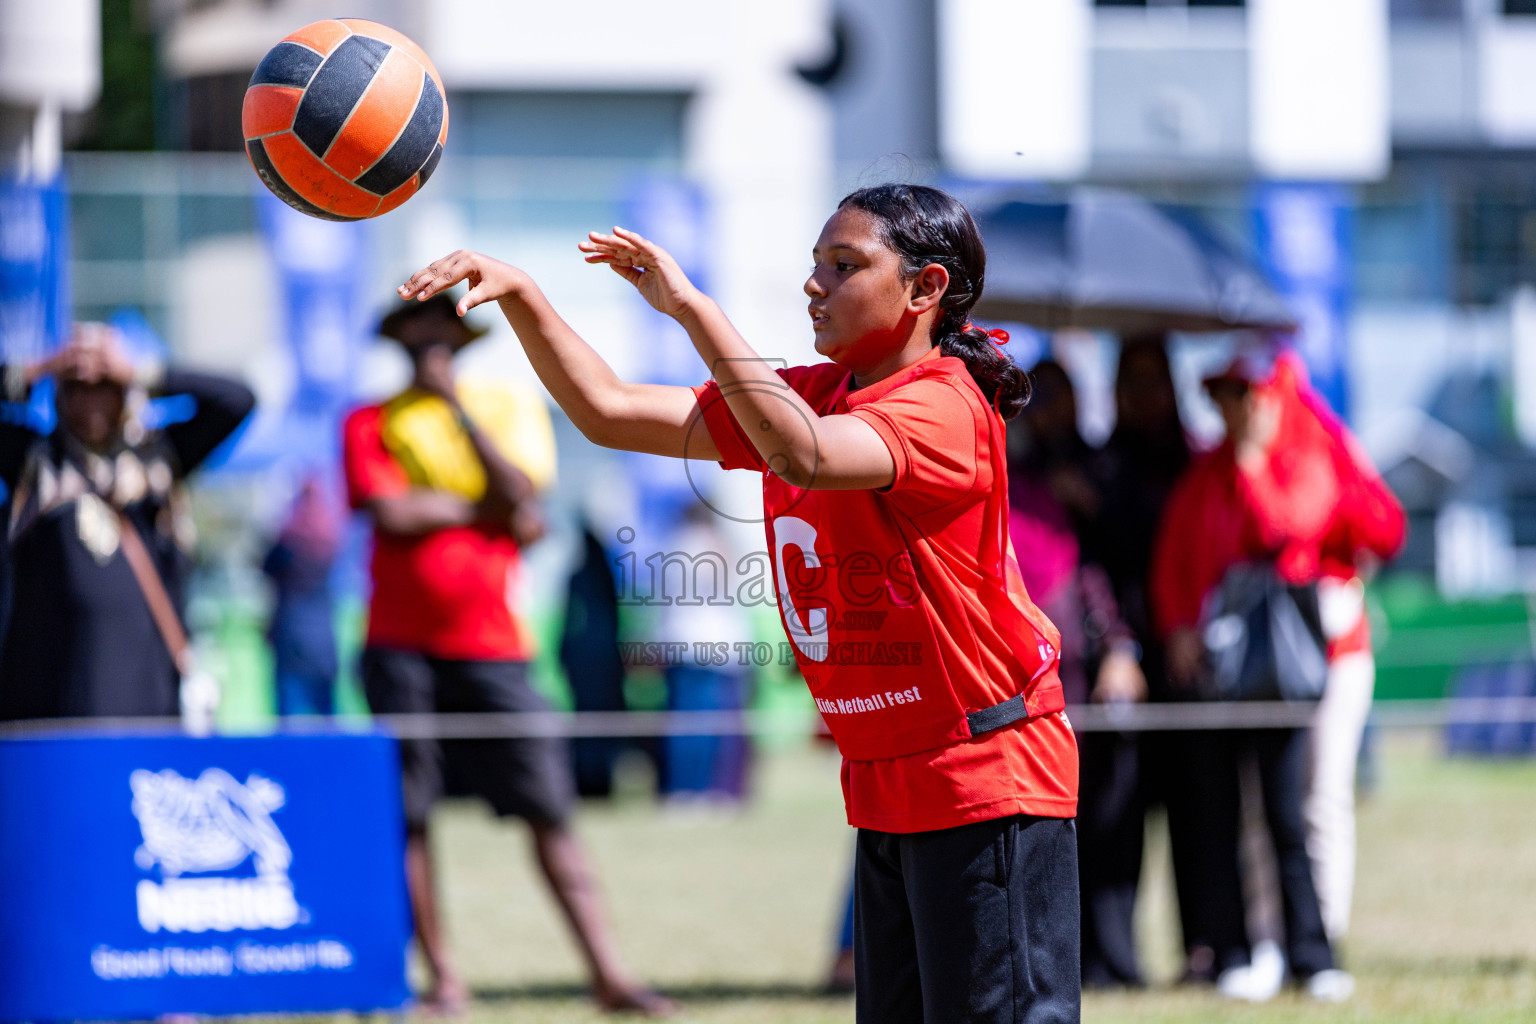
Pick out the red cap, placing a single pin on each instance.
(1253, 365)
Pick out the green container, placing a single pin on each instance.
(1422, 639)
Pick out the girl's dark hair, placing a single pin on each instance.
(923, 225)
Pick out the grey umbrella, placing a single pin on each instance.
(1112, 260)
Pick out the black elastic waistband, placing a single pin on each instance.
(998, 715)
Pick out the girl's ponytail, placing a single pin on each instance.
(994, 371)
(923, 225)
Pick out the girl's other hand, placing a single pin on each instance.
(646, 265)
(488, 279)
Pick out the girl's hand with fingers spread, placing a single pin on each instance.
(646, 265)
(488, 279)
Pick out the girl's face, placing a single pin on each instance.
(861, 308)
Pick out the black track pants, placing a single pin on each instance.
(970, 925)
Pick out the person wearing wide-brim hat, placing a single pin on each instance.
(415, 324)
(446, 473)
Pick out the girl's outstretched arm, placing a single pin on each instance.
(652, 418)
(835, 452)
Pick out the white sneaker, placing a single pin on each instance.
(1268, 965)
(1247, 984)
(1331, 986)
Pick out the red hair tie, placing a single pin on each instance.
(996, 335)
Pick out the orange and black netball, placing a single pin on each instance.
(345, 119)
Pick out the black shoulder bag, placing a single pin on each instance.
(1264, 638)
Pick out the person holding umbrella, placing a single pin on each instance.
(1267, 495)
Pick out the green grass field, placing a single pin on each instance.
(733, 915)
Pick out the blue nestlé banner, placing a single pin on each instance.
(144, 876)
(1304, 237)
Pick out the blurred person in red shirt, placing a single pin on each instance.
(443, 637)
(1269, 493)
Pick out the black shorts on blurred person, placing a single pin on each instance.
(525, 777)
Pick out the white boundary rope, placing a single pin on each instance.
(1122, 718)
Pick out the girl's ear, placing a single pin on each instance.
(928, 288)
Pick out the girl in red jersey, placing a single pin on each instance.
(885, 498)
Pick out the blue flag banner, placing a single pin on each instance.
(1304, 237)
(673, 212)
(34, 266)
(149, 875)
(322, 279)
(320, 267)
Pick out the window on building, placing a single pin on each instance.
(1496, 244)
(1401, 247)
(1522, 504)
(611, 125)
(1520, 6)
(1170, 3)
(1426, 10)
(212, 112)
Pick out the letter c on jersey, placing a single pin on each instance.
(789, 530)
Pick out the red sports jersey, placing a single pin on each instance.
(1219, 514)
(447, 593)
(906, 609)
